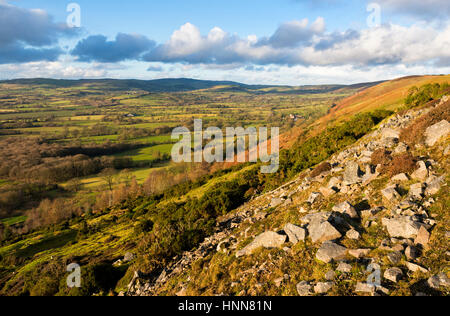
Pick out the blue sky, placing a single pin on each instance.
(158, 19)
(254, 41)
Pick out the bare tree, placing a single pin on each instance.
(108, 175)
(74, 185)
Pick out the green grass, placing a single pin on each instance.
(13, 220)
(50, 243)
(147, 154)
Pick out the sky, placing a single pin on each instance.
(286, 42)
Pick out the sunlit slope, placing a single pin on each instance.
(388, 95)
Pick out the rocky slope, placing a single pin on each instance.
(375, 222)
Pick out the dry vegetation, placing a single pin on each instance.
(393, 165)
(414, 133)
(323, 167)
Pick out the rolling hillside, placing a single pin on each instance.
(182, 85)
(201, 237)
(387, 95)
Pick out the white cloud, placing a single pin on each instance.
(294, 33)
(290, 45)
(188, 45)
(57, 70)
(388, 45)
(422, 8)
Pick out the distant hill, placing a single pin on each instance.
(183, 84)
(159, 85)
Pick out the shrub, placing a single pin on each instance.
(429, 92)
(144, 226)
(413, 134)
(381, 157)
(45, 286)
(323, 167)
(327, 143)
(393, 165)
(95, 279)
(403, 163)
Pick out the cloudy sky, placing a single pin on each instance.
(292, 42)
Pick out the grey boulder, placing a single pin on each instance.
(331, 252)
(434, 133)
(295, 233)
(267, 240)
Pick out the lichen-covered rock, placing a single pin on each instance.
(295, 233)
(330, 275)
(321, 231)
(323, 287)
(327, 192)
(402, 226)
(422, 173)
(347, 209)
(359, 253)
(393, 274)
(415, 268)
(353, 234)
(365, 288)
(344, 267)
(412, 253)
(390, 194)
(352, 174)
(401, 148)
(389, 133)
(266, 240)
(335, 183)
(395, 257)
(434, 185)
(314, 197)
(129, 256)
(402, 177)
(434, 133)
(416, 191)
(423, 237)
(331, 252)
(320, 217)
(276, 202)
(438, 281)
(304, 288)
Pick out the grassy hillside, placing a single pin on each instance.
(385, 95)
(295, 264)
(179, 85)
(160, 219)
(388, 95)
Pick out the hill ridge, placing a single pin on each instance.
(175, 84)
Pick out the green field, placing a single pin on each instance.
(140, 115)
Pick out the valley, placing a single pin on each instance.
(86, 177)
